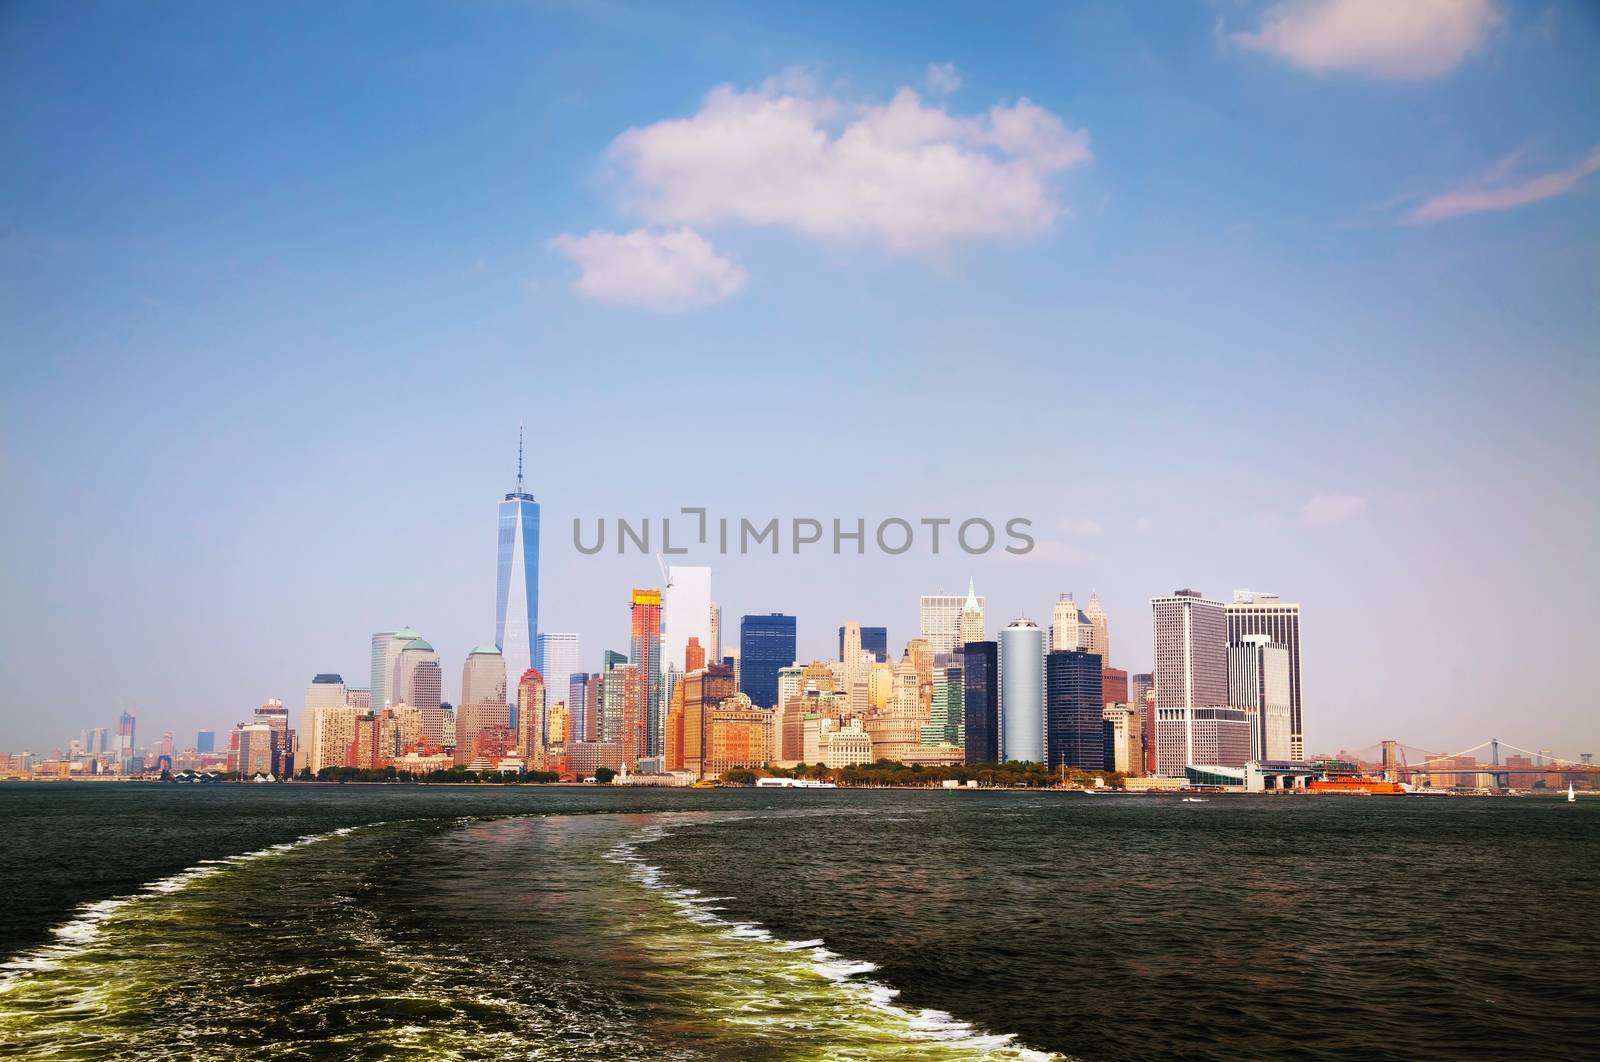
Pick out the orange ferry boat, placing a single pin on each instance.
(1356, 783)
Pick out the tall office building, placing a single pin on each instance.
(1114, 685)
(980, 675)
(791, 683)
(766, 643)
(531, 734)
(1138, 685)
(583, 720)
(1191, 672)
(1202, 737)
(1099, 630)
(947, 719)
(851, 654)
(325, 691)
(621, 714)
(1074, 707)
(483, 677)
(1069, 626)
(257, 744)
(328, 731)
(608, 700)
(874, 644)
(939, 618)
(516, 613)
(1191, 654)
(703, 690)
(484, 704)
(896, 730)
(419, 683)
(273, 715)
(481, 727)
(1258, 680)
(205, 741)
(970, 622)
(645, 655)
(557, 660)
(386, 646)
(685, 614)
(714, 650)
(125, 725)
(1022, 652)
(1257, 613)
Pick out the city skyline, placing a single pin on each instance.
(1233, 317)
(1228, 625)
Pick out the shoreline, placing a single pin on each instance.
(1192, 794)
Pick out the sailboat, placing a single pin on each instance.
(1572, 794)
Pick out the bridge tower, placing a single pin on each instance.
(1389, 759)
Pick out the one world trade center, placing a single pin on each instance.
(516, 606)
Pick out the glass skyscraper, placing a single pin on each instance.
(645, 647)
(1022, 691)
(1074, 723)
(766, 643)
(516, 609)
(980, 673)
(874, 640)
(556, 657)
(386, 647)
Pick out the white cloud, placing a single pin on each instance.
(942, 78)
(670, 270)
(1331, 508)
(1079, 525)
(1057, 551)
(1494, 193)
(909, 174)
(1386, 38)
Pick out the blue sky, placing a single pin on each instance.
(1296, 297)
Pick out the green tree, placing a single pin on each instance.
(603, 775)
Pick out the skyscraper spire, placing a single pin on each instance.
(519, 457)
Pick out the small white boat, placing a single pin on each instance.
(1572, 794)
(1193, 800)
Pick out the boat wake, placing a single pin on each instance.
(80, 933)
(816, 999)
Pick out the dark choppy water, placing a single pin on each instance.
(396, 922)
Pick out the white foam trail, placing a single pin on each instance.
(78, 934)
(925, 1025)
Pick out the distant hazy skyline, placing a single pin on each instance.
(1300, 297)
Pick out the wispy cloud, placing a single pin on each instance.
(670, 271)
(1332, 508)
(906, 173)
(1398, 39)
(1495, 191)
(1059, 551)
(942, 78)
(1081, 526)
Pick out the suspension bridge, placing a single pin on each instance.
(1508, 766)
